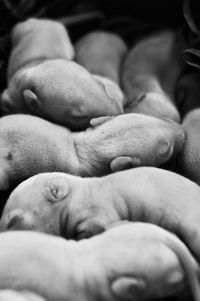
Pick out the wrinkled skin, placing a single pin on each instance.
(150, 74)
(189, 93)
(131, 261)
(31, 145)
(43, 80)
(10, 295)
(101, 53)
(74, 207)
(128, 140)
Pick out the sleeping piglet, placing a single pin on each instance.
(150, 73)
(31, 145)
(189, 158)
(42, 79)
(76, 207)
(101, 53)
(132, 261)
(11, 295)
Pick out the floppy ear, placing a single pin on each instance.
(32, 101)
(128, 288)
(57, 189)
(99, 120)
(122, 163)
(6, 102)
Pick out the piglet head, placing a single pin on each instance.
(62, 92)
(36, 209)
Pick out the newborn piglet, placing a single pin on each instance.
(31, 145)
(101, 53)
(76, 207)
(132, 261)
(189, 160)
(35, 41)
(150, 73)
(43, 81)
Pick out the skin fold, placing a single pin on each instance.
(132, 261)
(150, 73)
(43, 80)
(76, 207)
(31, 145)
(101, 53)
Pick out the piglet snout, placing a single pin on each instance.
(18, 221)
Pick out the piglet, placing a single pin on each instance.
(150, 73)
(43, 81)
(31, 145)
(11, 295)
(132, 261)
(76, 207)
(35, 41)
(101, 53)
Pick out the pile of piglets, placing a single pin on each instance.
(100, 148)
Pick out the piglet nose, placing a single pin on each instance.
(19, 221)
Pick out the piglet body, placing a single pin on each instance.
(31, 145)
(101, 53)
(35, 41)
(45, 82)
(74, 207)
(150, 73)
(137, 261)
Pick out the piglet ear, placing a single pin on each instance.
(128, 288)
(99, 120)
(57, 189)
(123, 162)
(32, 101)
(6, 102)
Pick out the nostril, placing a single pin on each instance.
(15, 222)
(18, 220)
